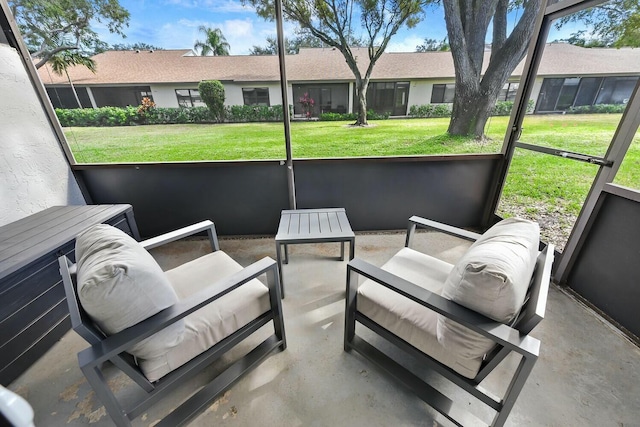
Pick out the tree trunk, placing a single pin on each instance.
(73, 89)
(361, 89)
(470, 115)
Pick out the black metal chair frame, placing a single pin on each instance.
(112, 348)
(509, 339)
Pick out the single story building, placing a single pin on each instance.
(568, 76)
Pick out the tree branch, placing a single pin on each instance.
(45, 56)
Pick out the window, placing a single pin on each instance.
(560, 94)
(616, 90)
(508, 92)
(388, 97)
(443, 93)
(189, 98)
(63, 97)
(256, 96)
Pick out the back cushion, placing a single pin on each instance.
(491, 278)
(120, 284)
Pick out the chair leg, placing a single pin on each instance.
(275, 300)
(515, 387)
(105, 395)
(350, 309)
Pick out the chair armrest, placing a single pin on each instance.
(496, 331)
(121, 341)
(189, 230)
(416, 221)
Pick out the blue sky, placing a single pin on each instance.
(173, 24)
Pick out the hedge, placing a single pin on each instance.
(502, 108)
(117, 116)
(598, 109)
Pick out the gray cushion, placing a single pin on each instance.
(407, 319)
(120, 284)
(491, 278)
(214, 322)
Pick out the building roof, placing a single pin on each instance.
(324, 64)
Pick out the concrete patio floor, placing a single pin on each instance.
(588, 374)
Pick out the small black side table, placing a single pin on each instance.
(313, 226)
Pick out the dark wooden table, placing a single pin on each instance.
(33, 308)
(313, 226)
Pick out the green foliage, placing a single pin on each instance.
(253, 113)
(148, 114)
(49, 27)
(598, 109)
(503, 108)
(105, 116)
(214, 43)
(430, 110)
(433, 45)
(212, 93)
(332, 22)
(614, 23)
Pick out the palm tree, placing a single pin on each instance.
(214, 43)
(61, 61)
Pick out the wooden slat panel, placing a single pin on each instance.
(12, 371)
(20, 226)
(344, 221)
(13, 348)
(33, 309)
(314, 219)
(22, 318)
(19, 255)
(304, 223)
(15, 298)
(46, 229)
(294, 225)
(324, 222)
(334, 224)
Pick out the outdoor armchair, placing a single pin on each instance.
(460, 320)
(162, 328)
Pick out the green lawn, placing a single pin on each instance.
(547, 188)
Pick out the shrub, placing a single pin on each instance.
(597, 109)
(105, 116)
(212, 93)
(253, 113)
(503, 108)
(430, 110)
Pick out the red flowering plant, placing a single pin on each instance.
(307, 105)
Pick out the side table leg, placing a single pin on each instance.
(341, 251)
(286, 253)
(352, 249)
(279, 259)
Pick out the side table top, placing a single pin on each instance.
(314, 225)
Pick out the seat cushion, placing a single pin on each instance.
(491, 278)
(407, 319)
(120, 284)
(214, 322)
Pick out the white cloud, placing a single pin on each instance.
(227, 6)
(407, 44)
(241, 34)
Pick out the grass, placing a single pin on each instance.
(546, 188)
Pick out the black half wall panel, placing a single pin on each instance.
(247, 197)
(382, 194)
(241, 198)
(607, 270)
